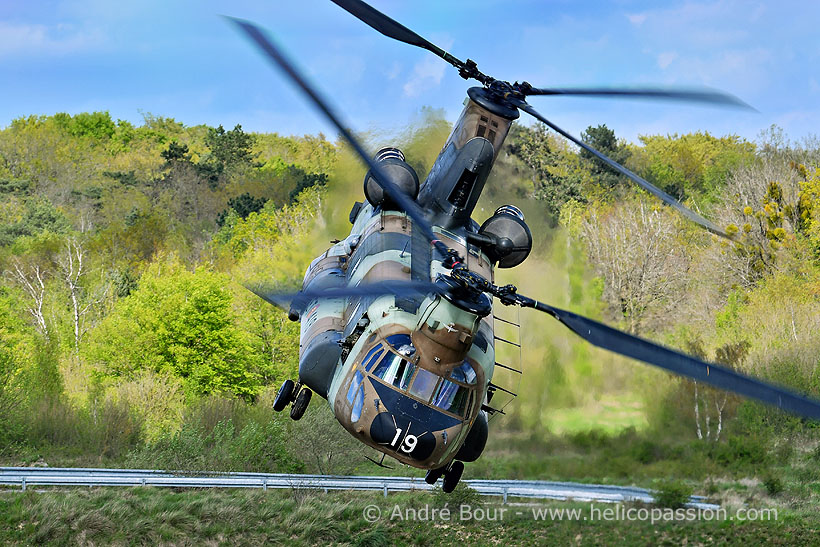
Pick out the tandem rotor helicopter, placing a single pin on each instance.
(397, 325)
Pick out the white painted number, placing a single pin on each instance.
(409, 444)
(396, 438)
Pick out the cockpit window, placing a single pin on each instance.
(402, 344)
(452, 397)
(372, 357)
(397, 340)
(464, 373)
(424, 384)
(445, 393)
(354, 385)
(395, 370)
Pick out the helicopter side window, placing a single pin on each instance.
(354, 385)
(372, 357)
(464, 373)
(395, 370)
(424, 384)
(358, 404)
(452, 397)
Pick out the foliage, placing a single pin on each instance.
(672, 494)
(557, 174)
(241, 205)
(603, 140)
(182, 323)
(323, 449)
(692, 165)
(95, 125)
(636, 249)
(220, 434)
(169, 215)
(462, 494)
(773, 484)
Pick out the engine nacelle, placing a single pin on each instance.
(510, 237)
(391, 161)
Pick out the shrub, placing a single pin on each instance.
(255, 447)
(646, 451)
(672, 494)
(461, 495)
(742, 450)
(773, 484)
(107, 429)
(157, 399)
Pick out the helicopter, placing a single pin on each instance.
(397, 323)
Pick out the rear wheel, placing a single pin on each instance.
(283, 396)
(301, 404)
(452, 476)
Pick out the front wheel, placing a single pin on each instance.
(452, 476)
(301, 404)
(283, 396)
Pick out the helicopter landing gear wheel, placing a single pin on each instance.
(452, 476)
(301, 404)
(283, 396)
(433, 475)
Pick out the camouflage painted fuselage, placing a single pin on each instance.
(408, 376)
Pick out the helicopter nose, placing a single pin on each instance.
(402, 435)
(382, 430)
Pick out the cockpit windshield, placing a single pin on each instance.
(395, 370)
(424, 384)
(451, 397)
(452, 394)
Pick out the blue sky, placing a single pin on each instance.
(180, 59)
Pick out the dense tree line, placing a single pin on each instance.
(123, 250)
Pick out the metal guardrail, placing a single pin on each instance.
(46, 476)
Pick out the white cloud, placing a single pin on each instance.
(429, 71)
(394, 71)
(637, 19)
(41, 39)
(666, 58)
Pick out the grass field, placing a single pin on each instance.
(218, 517)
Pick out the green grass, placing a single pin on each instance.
(612, 414)
(152, 516)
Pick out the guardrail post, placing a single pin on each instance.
(24, 484)
(505, 496)
(142, 482)
(385, 490)
(265, 484)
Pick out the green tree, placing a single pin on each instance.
(242, 205)
(16, 354)
(691, 165)
(603, 140)
(180, 322)
(556, 173)
(98, 126)
(228, 151)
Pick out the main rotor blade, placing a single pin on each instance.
(279, 60)
(721, 377)
(707, 96)
(643, 183)
(282, 299)
(386, 25)
(393, 29)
